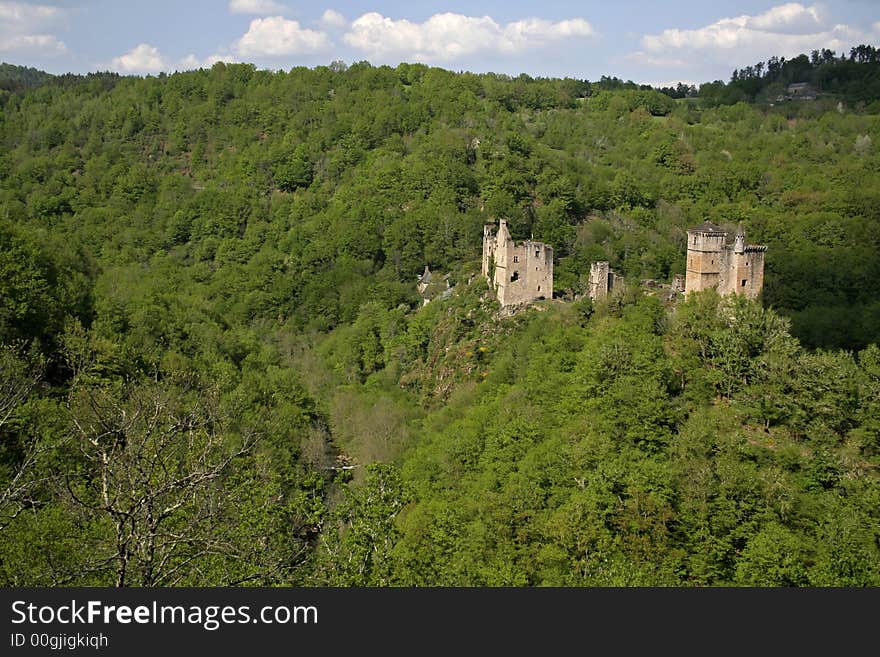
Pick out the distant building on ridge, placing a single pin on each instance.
(801, 91)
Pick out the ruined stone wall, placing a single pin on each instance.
(745, 273)
(603, 280)
(678, 285)
(518, 274)
(505, 260)
(756, 269)
(488, 249)
(527, 275)
(600, 273)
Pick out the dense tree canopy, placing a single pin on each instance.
(216, 368)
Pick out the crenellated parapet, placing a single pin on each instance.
(736, 268)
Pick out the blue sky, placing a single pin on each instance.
(654, 42)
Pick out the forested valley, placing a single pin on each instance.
(216, 369)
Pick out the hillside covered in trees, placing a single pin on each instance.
(852, 78)
(216, 369)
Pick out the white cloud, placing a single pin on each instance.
(143, 58)
(786, 30)
(41, 44)
(538, 29)
(659, 84)
(20, 15)
(648, 59)
(447, 36)
(23, 28)
(790, 18)
(333, 19)
(276, 36)
(259, 7)
(192, 62)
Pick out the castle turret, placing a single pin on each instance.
(739, 242)
(731, 269)
(705, 256)
(503, 233)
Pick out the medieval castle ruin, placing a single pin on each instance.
(518, 274)
(602, 280)
(736, 268)
(522, 273)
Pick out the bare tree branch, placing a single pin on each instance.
(158, 456)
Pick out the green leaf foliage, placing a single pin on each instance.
(216, 367)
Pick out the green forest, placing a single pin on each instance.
(216, 369)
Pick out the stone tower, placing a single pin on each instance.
(602, 279)
(730, 269)
(517, 273)
(705, 251)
